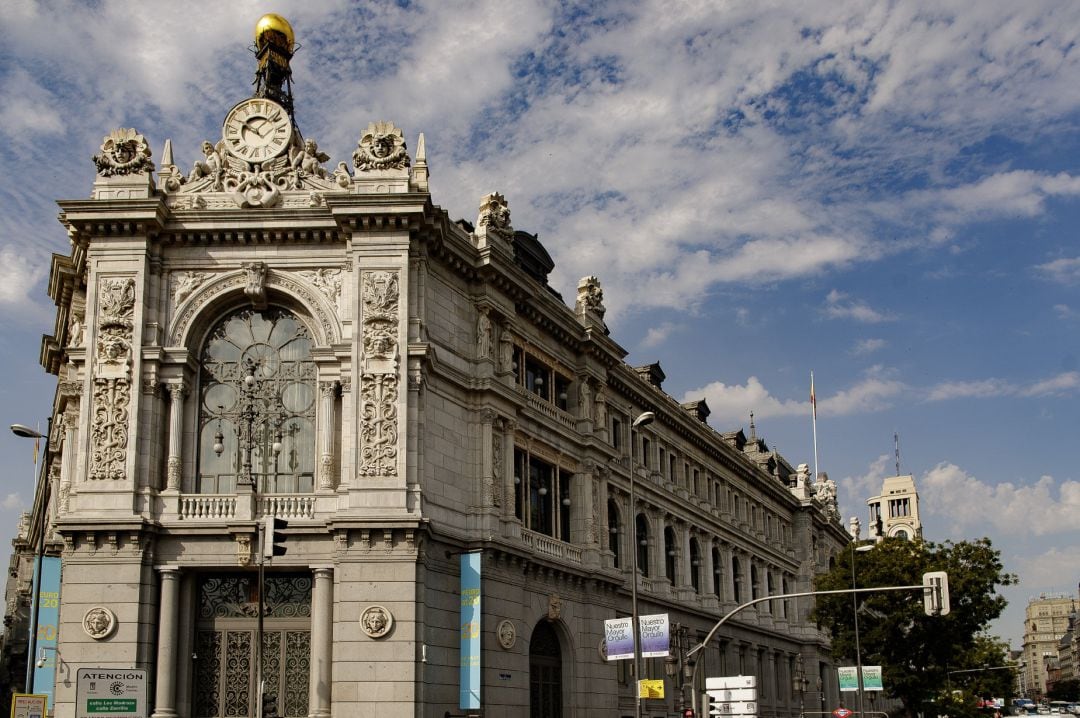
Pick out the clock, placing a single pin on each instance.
(256, 130)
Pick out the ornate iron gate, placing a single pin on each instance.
(226, 640)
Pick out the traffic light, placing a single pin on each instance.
(936, 593)
(273, 540)
(688, 713)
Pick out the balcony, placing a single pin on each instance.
(552, 547)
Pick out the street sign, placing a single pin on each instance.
(110, 693)
(651, 688)
(742, 708)
(29, 705)
(718, 682)
(841, 713)
(728, 695)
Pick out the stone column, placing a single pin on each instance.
(177, 391)
(322, 623)
(168, 633)
(707, 568)
(327, 392)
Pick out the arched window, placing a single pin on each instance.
(669, 554)
(753, 582)
(736, 579)
(717, 573)
(695, 565)
(257, 404)
(614, 530)
(641, 530)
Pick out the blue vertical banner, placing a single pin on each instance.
(48, 618)
(470, 631)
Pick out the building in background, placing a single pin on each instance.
(1047, 619)
(263, 335)
(895, 512)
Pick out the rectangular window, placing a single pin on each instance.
(662, 461)
(646, 449)
(616, 432)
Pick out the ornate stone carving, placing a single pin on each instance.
(506, 349)
(327, 281)
(124, 152)
(211, 167)
(376, 621)
(379, 381)
(595, 520)
(75, 331)
(184, 283)
(243, 549)
(308, 160)
(99, 622)
(379, 426)
(507, 634)
(381, 147)
(255, 282)
(495, 214)
(116, 307)
(112, 384)
(585, 402)
(590, 297)
(496, 464)
(483, 333)
(554, 612)
(380, 297)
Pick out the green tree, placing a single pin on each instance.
(916, 652)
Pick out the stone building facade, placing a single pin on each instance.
(265, 336)
(1047, 619)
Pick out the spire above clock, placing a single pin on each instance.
(274, 48)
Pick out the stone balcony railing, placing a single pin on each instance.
(548, 546)
(547, 408)
(223, 507)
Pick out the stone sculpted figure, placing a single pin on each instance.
(381, 147)
(212, 165)
(585, 404)
(98, 622)
(483, 334)
(124, 152)
(309, 160)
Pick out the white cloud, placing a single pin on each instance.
(854, 490)
(1041, 508)
(1064, 311)
(1065, 270)
(838, 305)
(1052, 570)
(872, 393)
(12, 502)
(658, 335)
(1059, 385)
(868, 346)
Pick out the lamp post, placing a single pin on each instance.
(259, 410)
(855, 613)
(644, 419)
(25, 432)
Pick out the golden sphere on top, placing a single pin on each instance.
(276, 23)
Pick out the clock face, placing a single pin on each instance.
(257, 129)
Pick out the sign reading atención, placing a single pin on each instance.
(110, 693)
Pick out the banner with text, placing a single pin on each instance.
(849, 678)
(654, 635)
(48, 618)
(469, 697)
(619, 638)
(871, 678)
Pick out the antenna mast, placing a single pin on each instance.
(896, 443)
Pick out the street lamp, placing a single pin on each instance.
(855, 612)
(25, 432)
(644, 419)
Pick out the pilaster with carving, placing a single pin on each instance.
(112, 379)
(379, 378)
(177, 391)
(327, 394)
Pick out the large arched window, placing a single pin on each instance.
(257, 403)
(669, 554)
(695, 565)
(614, 530)
(641, 530)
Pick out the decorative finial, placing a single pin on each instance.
(274, 47)
(753, 429)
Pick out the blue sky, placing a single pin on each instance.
(886, 193)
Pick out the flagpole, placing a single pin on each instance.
(813, 409)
